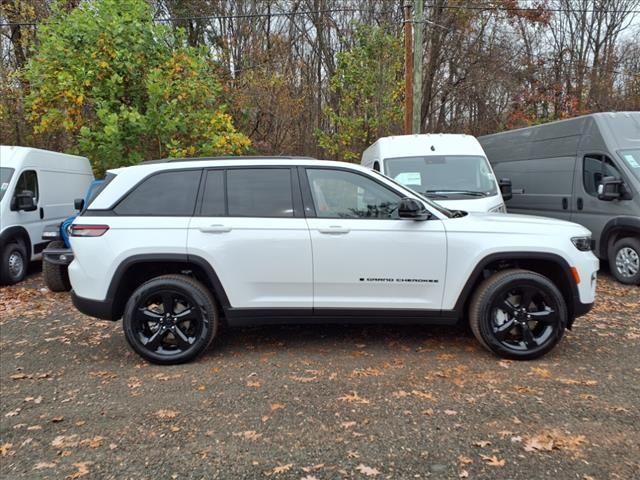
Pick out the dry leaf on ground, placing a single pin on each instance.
(368, 471)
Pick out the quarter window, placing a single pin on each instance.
(341, 194)
(594, 169)
(165, 194)
(259, 192)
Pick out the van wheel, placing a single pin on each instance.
(14, 263)
(170, 319)
(518, 314)
(56, 277)
(624, 260)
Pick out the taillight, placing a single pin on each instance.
(88, 230)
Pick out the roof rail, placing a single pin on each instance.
(232, 157)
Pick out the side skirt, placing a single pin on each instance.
(241, 317)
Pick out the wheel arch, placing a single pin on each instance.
(550, 265)
(16, 232)
(614, 230)
(135, 270)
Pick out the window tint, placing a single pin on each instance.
(259, 192)
(595, 168)
(340, 194)
(166, 194)
(28, 181)
(213, 200)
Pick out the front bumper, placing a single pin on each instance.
(58, 256)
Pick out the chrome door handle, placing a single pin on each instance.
(215, 229)
(334, 230)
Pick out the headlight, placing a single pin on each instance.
(498, 209)
(584, 244)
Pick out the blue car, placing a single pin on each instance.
(58, 254)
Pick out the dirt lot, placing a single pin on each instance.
(316, 402)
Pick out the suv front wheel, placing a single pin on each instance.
(170, 319)
(518, 314)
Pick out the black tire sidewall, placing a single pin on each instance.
(56, 277)
(497, 288)
(196, 293)
(627, 242)
(5, 274)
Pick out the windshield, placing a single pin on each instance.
(632, 159)
(5, 178)
(445, 211)
(444, 176)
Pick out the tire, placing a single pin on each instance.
(14, 263)
(170, 319)
(624, 260)
(518, 314)
(56, 277)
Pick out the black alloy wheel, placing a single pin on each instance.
(170, 319)
(518, 314)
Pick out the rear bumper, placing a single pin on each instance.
(58, 256)
(102, 309)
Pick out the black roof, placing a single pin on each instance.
(233, 157)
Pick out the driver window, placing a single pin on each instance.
(341, 194)
(28, 181)
(594, 169)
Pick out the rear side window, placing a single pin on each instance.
(165, 194)
(213, 201)
(259, 192)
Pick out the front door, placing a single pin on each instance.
(30, 220)
(588, 210)
(364, 255)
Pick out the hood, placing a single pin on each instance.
(514, 224)
(472, 204)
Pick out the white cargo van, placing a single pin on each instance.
(37, 187)
(450, 169)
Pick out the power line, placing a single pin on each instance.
(484, 8)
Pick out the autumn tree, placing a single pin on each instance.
(126, 89)
(368, 85)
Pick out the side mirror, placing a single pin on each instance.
(410, 208)
(505, 188)
(610, 189)
(78, 204)
(25, 200)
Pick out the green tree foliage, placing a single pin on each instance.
(126, 89)
(368, 85)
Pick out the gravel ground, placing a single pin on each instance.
(316, 402)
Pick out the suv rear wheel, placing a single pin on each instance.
(518, 314)
(624, 260)
(170, 319)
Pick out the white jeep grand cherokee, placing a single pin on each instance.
(176, 247)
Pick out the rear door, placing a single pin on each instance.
(251, 229)
(364, 255)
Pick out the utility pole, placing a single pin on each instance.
(418, 27)
(408, 69)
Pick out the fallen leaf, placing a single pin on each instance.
(354, 398)
(57, 419)
(43, 465)
(482, 443)
(83, 469)
(464, 460)
(368, 471)
(13, 413)
(282, 469)
(348, 424)
(463, 474)
(249, 435)
(276, 406)
(165, 414)
(553, 440)
(5, 448)
(493, 460)
(450, 412)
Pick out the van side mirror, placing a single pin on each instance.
(505, 188)
(25, 200)
(411, 209)
(610, 189)
(78, 204)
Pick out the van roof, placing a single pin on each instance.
(21, 157)
(424, 144)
